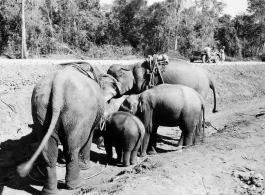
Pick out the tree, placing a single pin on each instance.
(198, 24)
(24, 45)
(226, 35)
(257, 9)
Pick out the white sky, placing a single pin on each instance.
(233, 8)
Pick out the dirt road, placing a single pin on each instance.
(231, 161)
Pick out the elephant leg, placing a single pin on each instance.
(126, 158)
(180, 144)
(151, 150)
(72, 178)
(145, 144)
(50, 156)
(119, 152)
(84, 154)
(188, 138)
(108, 148)
(133, 159)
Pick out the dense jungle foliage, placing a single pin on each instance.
(129, 27)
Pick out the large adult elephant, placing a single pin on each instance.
(168, 105)
(135, 78)
(66, 106)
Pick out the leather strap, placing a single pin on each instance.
(89, 72)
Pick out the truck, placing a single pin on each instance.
(201, 56)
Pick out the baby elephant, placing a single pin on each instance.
(126, 133)
(168, 105)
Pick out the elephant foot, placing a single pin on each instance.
(151, 152)
(71, 185)
(84, 165)
(118, 160)
(46, 191)
(133, 162)
(112, 162)
(126, 164)
(214, 111)
(143, 154)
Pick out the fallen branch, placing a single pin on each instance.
(256, 115)
(204, 186)
(260, 114)
(11, 107)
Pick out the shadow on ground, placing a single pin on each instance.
(15, 152)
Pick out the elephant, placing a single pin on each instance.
(66, 105)
(135, 78)
(126, 132)
(168, 105)
(112, 106)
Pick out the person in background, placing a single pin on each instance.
(222, 53)
(214, 51)
(208, 53)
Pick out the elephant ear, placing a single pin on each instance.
(124, 75)
(115, 70)
(146, 115)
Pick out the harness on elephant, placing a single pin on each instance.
(88, 71)
(157, 65)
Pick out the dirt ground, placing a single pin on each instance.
(230, 161)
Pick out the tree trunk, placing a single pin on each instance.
(178, 10)
(176, 43)
(24, 46)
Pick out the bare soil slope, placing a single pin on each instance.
(231, 161)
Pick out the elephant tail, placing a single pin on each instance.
(203, 121)
(141, 131)
(200, 127)
(214, 96)
(25, 168)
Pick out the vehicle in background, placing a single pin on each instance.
(262, 57)
(201, 56)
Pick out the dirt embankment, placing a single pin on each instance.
(212, 168)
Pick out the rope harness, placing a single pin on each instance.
(157, 65)
(102, 123)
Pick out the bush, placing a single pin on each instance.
(110, 52)
(232, 59)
